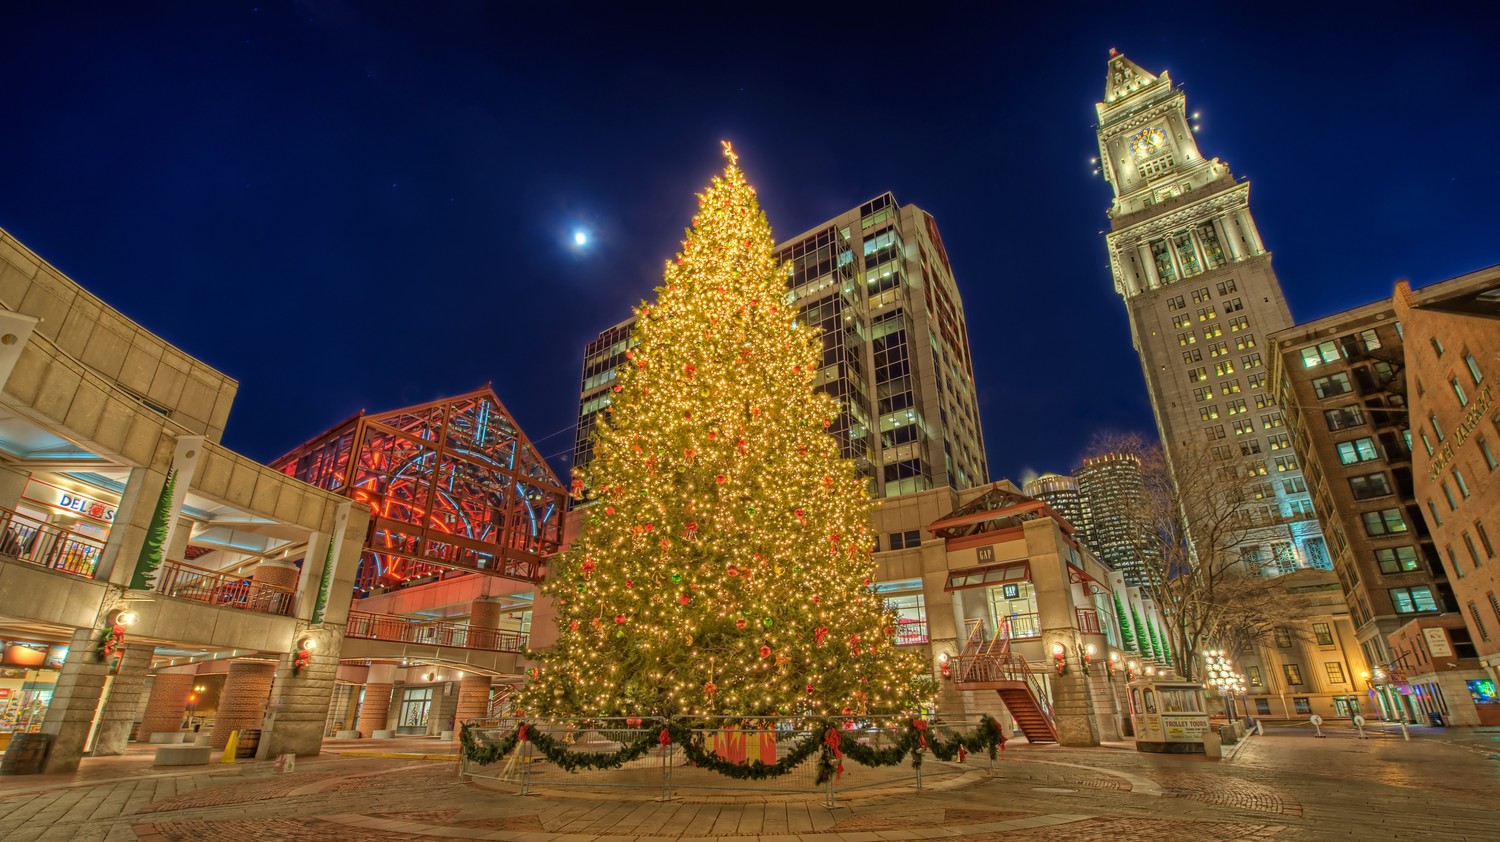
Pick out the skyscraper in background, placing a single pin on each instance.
(1201, 298)
(877, 284)
(1111, 486)
(1062, 494)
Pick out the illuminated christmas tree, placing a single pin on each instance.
(724, 566)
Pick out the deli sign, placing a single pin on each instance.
(62, 498)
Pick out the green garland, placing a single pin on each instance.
(825, 737)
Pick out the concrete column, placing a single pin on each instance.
(166, 704)
(1247, 226)
(75, 700)
(473, 698)
(1105, 713)
(299, 706)
(185, 456)
(375, 712)
(247, 688)
(128, 531)
(1228, 239)
(1148, 265)
(12, 483)
(123, 702)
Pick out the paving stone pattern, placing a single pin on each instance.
(1285, 786)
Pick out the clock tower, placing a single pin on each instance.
(1202, 298)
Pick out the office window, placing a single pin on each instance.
(1369, 486)
(1245, 342)
(1343, 418)
(1215, 432)
(1203, 393)
(1207, 314)
(1253, 673)
(1237, 406)
(1186, 338)
(1198, 375)
(1293, 675)
(1227, 287)
(1335, 672)
(1323, 633)
(1463, 487)
(1473, 553)
(1192, 356)
(1323, 352)
(1212, 331)
(1218, 349)
(1263, 400)
(1437, 519)
(1484, 633)
(1358, 450)
(1233, 305)
(1458, 391)
(1256, 469)
(1370, 339)
(1251, 361)
(1182, 321)
(1223, 368)
(1396, 559)
(1473, 368)
(1230, 387)
(1448, 494)
(1249, 448)
(1239, 323)
(1437, 345)
(1286, 463)
(1257, 380)
(1426, 442)
(1244, 426)
(1271, 421)
(1175, 303)
(1436, 428)
(1413, 600)
(1484, 539)
(906, 540)
(1283, 638)
(1383, 522)
(1487, 452)
(1201, 295)
(1453, 562)
(1332, 386)
(1279, 441)
(1208, 413)
(1294, 485)
(1262, 707)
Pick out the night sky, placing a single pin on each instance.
(369, 205)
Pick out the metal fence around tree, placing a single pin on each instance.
(757, 754)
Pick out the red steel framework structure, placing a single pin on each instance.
(453, 485)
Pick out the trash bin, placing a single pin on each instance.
(249, 742)
(1227, 734)
(1436, 719)
(26, 754)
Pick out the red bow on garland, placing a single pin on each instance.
(521, 734)
(665, 737)
(833, 740)
(921, 726)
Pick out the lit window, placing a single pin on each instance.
(1323, 633)
(1383, 522)
(1473, 368)
(1371, 339)
(1396, 559)
(1413, 600)
(1323, 352)
(1369, 486)
(1293, 675)
(1358, 450)
(1332, 386)
(1335, 672)
(1458, 390)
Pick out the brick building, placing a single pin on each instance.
(1452, 359)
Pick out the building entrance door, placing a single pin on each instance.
(416, 703)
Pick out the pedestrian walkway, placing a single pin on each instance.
(1287, 785)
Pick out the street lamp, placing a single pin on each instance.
(1220, 673)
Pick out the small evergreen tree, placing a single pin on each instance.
(1127, 638)
(154, 548)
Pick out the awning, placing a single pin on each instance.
(994, 574)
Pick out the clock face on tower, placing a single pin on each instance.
(1148, 141)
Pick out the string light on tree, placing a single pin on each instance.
(723, 567)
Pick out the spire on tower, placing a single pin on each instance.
(1125, 78)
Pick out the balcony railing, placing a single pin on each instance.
(52, 547)
(460, 635)
(185, 581)
(1020, 626)
(1088, 620)
(910, 632)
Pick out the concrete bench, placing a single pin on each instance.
(182, 756)
(171, 737)
(349, 734)
(383, 735)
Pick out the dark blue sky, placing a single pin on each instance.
(349, 205)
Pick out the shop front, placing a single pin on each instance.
(59, 522)
(28, 674)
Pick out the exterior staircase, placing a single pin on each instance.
(502, 701)
(989, 664)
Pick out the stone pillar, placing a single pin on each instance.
(1148, 265)
(247, 687)
(1071, 701)
(124, 701)
(1229, 239)
(473, 699)
(75, 700)
(1102, 691)
(12, 483)
(299, 709)
(1247, 227)
(375, 711)
(167, 703)
(484, 618)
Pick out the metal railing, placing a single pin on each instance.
(461, 635)
(911, 632)
(185, 581)
(1009, 666)
(1088, 620)
(52, 547)
(665, 768)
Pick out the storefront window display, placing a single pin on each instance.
(28, 673)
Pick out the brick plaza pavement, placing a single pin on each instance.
(1284, 786)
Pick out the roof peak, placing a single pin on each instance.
(1125, 78)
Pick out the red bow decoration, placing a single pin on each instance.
(962, 754)
(833, 740)
(665, 737)
(921, 726)
(521, 734)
